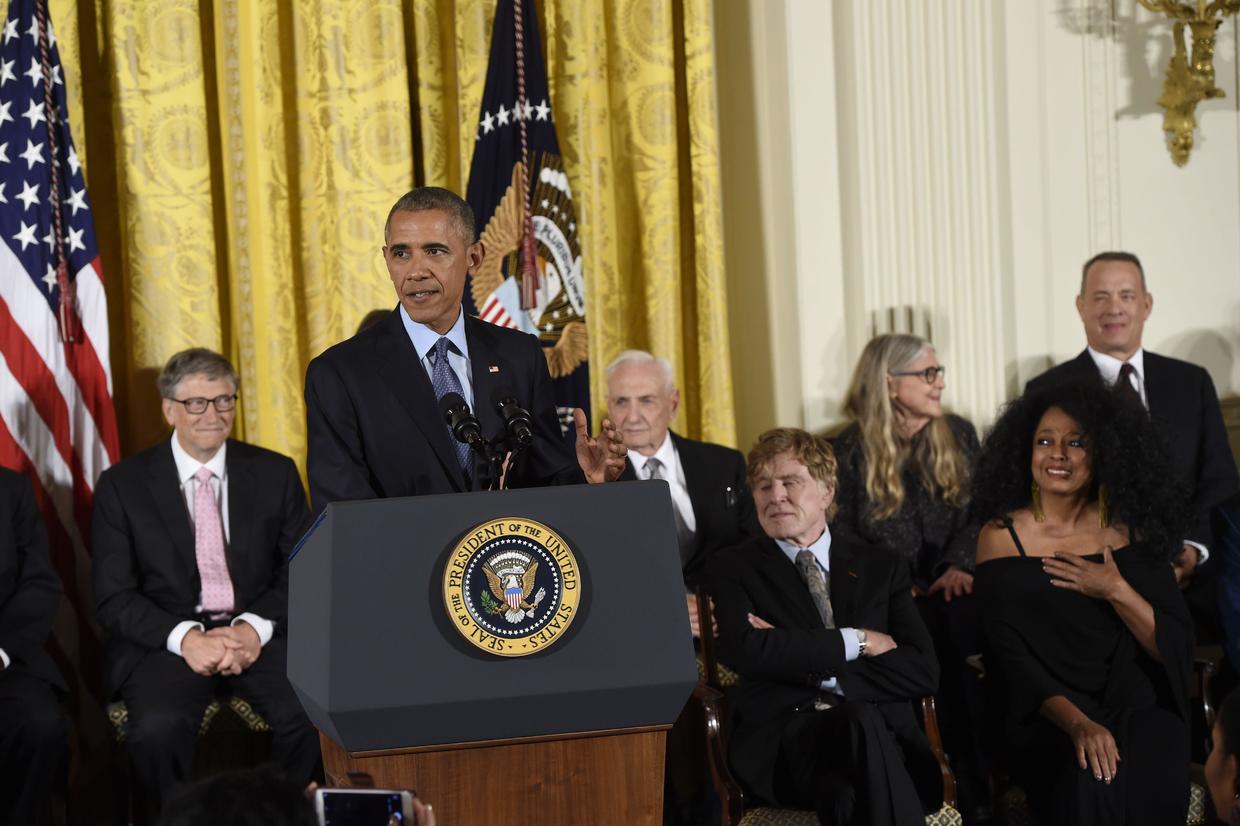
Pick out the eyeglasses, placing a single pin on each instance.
(199, 405)
(930, 374)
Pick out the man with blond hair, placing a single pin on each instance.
(830, 650)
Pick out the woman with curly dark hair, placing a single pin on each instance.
(1088, 642)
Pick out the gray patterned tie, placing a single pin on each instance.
(684, 538)
(444, 380)
(818, 584)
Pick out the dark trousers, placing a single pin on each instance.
(34, 746)
(845, 765)
(166, 700)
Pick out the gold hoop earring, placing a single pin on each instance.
(1104, 515)
(1035, 503)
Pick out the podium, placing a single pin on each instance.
(571, 732)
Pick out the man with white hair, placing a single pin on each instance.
(711, 501)
(712, 508)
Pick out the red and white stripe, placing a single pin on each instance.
(58, 425)
(495, 312)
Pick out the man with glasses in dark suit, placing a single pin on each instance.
(191, 541)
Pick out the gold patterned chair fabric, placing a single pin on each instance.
(118, 715)
(770, 816)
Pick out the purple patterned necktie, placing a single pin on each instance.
(444, 380)
(217, 589)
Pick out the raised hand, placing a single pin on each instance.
(602, 457)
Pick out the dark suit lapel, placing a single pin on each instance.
(240, 508)
(1159, 386)
(843, 581)
(788, 584)
(490, 371)
(407, 380)
(697, 484)
(169, 500)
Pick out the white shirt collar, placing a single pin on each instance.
(820, 548)
(1109, 366)
(665, 454)
(187, 465)
(424, 337)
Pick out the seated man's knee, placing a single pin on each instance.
(161, 726)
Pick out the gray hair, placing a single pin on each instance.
(196, 361)
(642, 357)
(428, 198)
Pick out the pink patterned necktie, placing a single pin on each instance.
(217, 590)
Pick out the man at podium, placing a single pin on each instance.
(830, 649)
(375, 403)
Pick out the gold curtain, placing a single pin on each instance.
(242, 156)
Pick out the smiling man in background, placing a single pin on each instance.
(1114, 304)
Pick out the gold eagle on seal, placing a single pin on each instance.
(510, 576)
(500, 239)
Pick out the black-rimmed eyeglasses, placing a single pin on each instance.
(198, 404)
(930, 374)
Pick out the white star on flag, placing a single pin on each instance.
(26, 236)
(3, 200)
(542, 109)
(526, 109)
(75, 240)
(77, 200)
(6, 72)
(4, 152)
(74, 163)
(10, 30)
(35, 72)
(30, 194)
(33, 153)
(503, 115)
(34, 114)
(50, 277)
(33, 31)
(4, 111)
(488, 123)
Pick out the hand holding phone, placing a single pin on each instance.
(369, 807)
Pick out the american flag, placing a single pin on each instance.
(57, 423)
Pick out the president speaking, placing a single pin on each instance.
(391, 411)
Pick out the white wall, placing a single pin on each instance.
(946, 166)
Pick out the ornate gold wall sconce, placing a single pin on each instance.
(1189, 82)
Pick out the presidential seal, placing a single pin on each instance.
(512, 586)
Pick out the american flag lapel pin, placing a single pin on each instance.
(494, 368)
(852, 574)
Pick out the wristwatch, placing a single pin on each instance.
(861, 642)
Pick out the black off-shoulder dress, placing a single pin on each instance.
(1041, 641)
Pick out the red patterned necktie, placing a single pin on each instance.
(217, 590)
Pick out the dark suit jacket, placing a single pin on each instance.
(781, 668)
(373, 424)
(722, 505)
(146, 572)
(29, 587)
(1184, 405)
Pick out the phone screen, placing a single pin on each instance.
(343, 807)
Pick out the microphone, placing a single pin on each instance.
(461, 422)
(516, 418)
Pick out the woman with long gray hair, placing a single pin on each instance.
(904, 474)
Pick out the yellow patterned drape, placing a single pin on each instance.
(242, 155)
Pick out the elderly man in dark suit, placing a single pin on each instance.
(830, 650)
(373, 418)
(1114, 304)
(33, 731)
(191, 541)
(710, 498)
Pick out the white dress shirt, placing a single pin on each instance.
(187, 466)
(1109, 367)
(424, 339)
(674, 474)
(821, 549)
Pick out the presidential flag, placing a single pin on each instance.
(57, 423)
(531, 278)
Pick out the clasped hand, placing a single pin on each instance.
(227, 650)
(876, 641)
(1100, 580)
